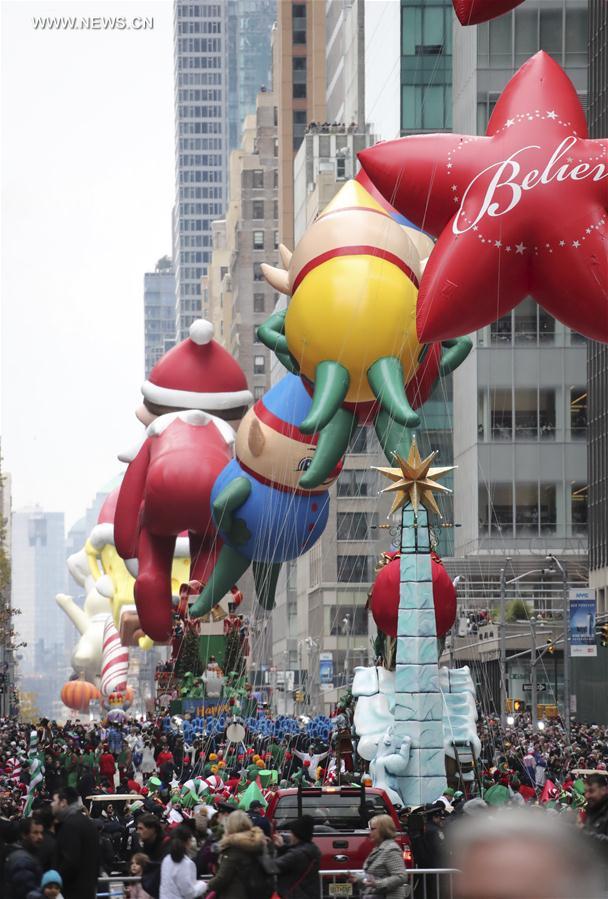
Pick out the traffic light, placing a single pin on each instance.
(299, 695)
(604, 635)
(519, 705)
(550, 647)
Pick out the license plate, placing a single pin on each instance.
(340, 889)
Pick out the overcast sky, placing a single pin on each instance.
(87, 182)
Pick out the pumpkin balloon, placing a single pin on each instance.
(77, 694)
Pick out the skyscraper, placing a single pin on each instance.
(597, 368)
(520, 399)
(159, 312)
(208, 109)
(299, 79)
(38, 574)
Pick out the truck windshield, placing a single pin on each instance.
(331, 811)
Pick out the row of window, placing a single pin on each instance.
(199, 45)
(530, 509)
(524, 413)
(199, 95)
(200, 143)
(356, 525)
(356, 569)
(193, 274)
(194, 240)
(201, 176)
(200, 127)
(199, 62)
(199, 112)
(198, 10)
(201, 193)
(253, 179)
(205, 27)
(194, 225)
(195, 159)
(258, 240)
(199, 78)
(260, 211)
(186, 257)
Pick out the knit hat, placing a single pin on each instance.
(51, 877)
(198, 373)
(303, 828)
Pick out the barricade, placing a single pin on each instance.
(426, 883)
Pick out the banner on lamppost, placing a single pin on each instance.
(326, 670)
(582, 624)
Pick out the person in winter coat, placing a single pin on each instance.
(78, 852)
(241, 848)
(50, 887)
(596, 817)
(178, 871)
(22, 869)
(297, 864)
(385, 873)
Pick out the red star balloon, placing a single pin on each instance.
(520, 211)
(472, 12)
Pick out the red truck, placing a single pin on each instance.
(342, 816)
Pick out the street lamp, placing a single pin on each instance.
(566, 614)
(347, 629)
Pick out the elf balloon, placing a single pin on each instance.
(520, 211)
(166, 490)
(349, 329)
(473, 12)
(263, 514)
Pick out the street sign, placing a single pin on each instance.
(540, 688)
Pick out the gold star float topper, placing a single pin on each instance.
(414, 480)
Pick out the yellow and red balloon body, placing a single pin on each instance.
(77, 694)
(353, 280)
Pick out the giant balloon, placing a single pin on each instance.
(384, 596)
(349, 328)
(263, 514)
(472, 12)
(166, 490)
(77, 694)
(519, 211)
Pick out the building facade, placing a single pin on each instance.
(38, 574)
(220, 51)
(159, 312)
(299, 84)
(598, 353)
(344, 62)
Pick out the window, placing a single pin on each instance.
(257, 271)
(526, 414)
(259, 302)
(355, 569)
(347, 621)
(355, 525)
(578, 508)
(355, 482)
(258, 393)
(259, 365)
(299, 91)
(500, 331)
(256, 339)
(340, 168)
(257, 209)
(501, 414)
(258, 240)
(358, 441)
(257, 178)
(578, 413)
(526, 509)
(501, 508)
(276, 240)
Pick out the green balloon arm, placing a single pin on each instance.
(228, 501)
(394, 438)
(386, 379)
(288, 362)
(265, 576)
(331, 386)
(331, 447)
(272, 332)
(453, 354)
(230, 566)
